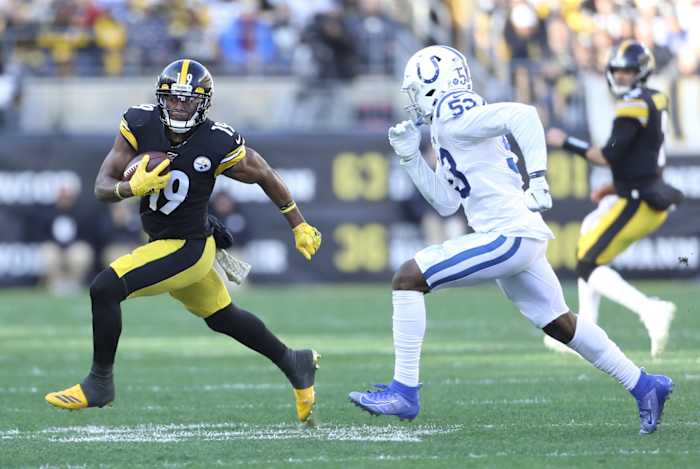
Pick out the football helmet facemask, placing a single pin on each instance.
(629, 55)
(183, 92)
(429, 72)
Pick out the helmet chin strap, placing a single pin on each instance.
(181, 127)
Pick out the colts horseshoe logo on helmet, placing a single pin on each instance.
(434, 60)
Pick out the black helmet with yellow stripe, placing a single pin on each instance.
(183, 93)
(629, 55)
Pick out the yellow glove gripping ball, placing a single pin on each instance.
(143, 182)
(307, 239)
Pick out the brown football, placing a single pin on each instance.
(155, 159)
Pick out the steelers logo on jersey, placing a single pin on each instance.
(202, 164)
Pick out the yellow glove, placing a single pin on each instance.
(143, 182)
(307, 239)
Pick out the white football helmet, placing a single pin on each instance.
(430, 71)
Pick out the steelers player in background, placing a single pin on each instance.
(179, 257)
(638, 201)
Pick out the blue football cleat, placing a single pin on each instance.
(651, 393)
(392, 399)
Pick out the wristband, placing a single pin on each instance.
(576, 146)
(116, 191)
(288, 207)
(538, 174)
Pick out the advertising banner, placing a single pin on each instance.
(349, 186)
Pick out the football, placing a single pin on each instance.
(155, 159)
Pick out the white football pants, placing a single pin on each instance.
(518, 265)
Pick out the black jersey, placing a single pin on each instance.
(180, 210)
(635, 147)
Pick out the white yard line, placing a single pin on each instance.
(228, 432)
(203, 432)
(324, 459)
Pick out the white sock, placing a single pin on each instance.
(610, 284)
(588, 301)
(593, 344)
(409, 330)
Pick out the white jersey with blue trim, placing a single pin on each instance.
(474, 157)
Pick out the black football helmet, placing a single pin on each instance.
(183, 92)
(629, 55)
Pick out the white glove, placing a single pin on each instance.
(537, 196)
(404, 138)
(235, 269)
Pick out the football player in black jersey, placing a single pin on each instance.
(179, 257)
(639, 198)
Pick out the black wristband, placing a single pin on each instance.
(538, 174)
(576, 146)
(288, 207)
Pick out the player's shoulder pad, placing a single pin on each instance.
(632, 105)
(455, 103)
(223, 138)
(141, 115)
(226, 143)
(659, 99)
(135, 119)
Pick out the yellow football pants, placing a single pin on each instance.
(183, 268)
(626, 221)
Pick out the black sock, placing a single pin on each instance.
(98, 386)
(106, 292)
(249, 330)
(101, 372)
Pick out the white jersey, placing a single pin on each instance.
(474, 158)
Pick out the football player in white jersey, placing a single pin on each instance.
(477, 171)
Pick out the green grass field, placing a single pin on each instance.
(186, 397)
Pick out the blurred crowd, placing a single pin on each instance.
(539, 51)
(59, 37)
(116, 37)
(534, 51)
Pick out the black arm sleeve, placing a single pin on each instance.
(623, 134)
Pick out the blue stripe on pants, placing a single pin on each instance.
(464, 255)
(475, 268)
